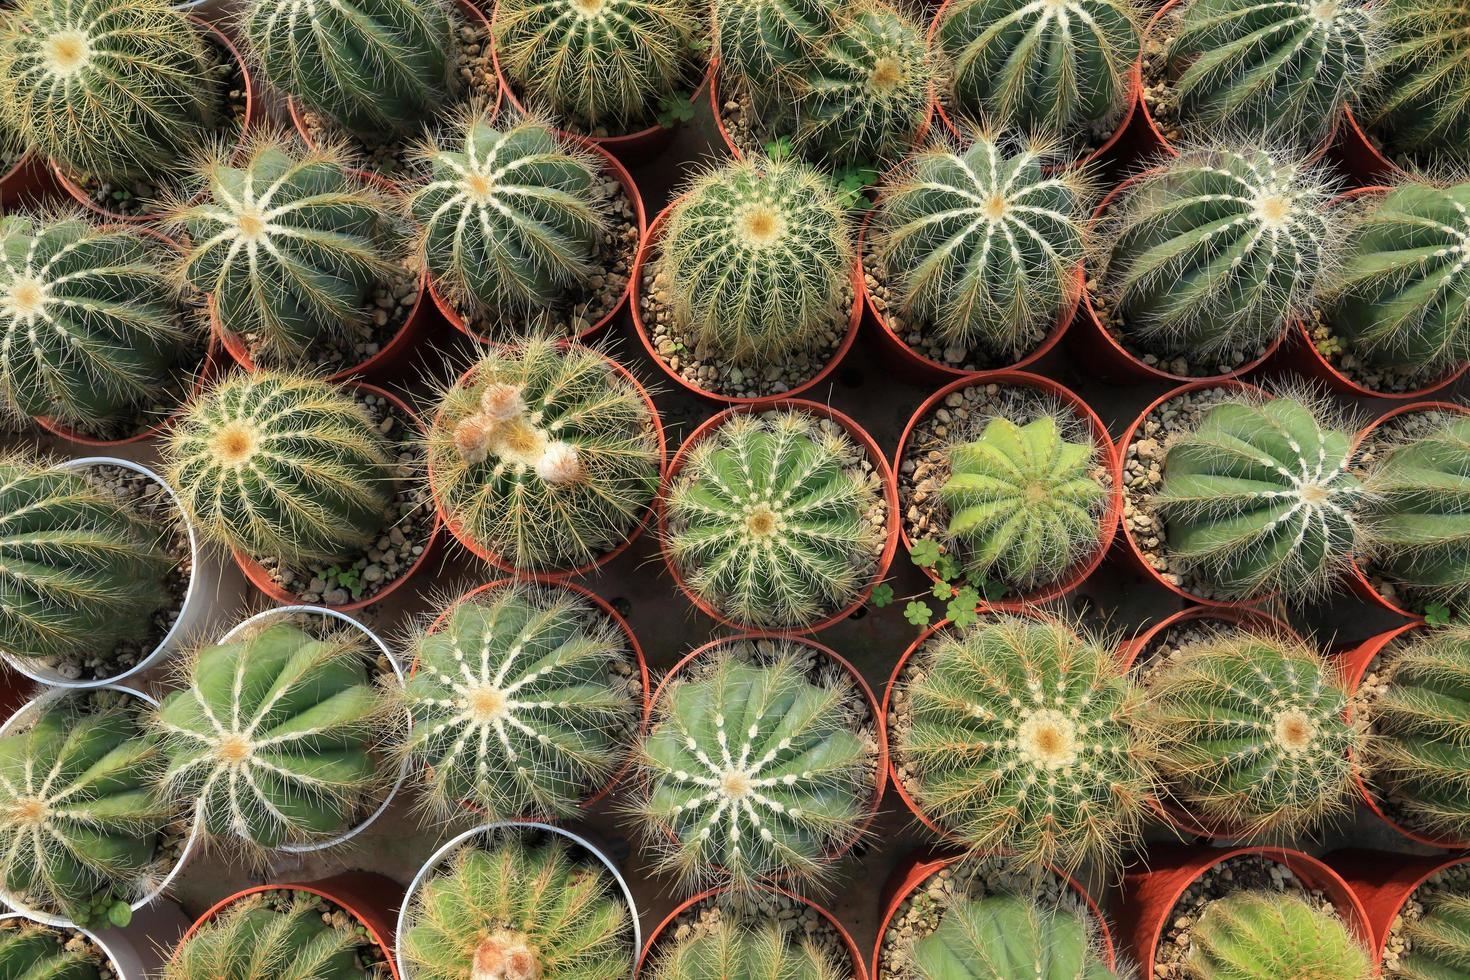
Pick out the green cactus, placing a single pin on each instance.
(518, 705)
(113, 89)
(754, 769)
(268, 936)
(544, 455)
(983, 245)
(763, 44)
(602, 65)
(518, 911)
(371, 66)
(1439, 940)
(758, 255)
(1257, 499)
(1418, 97)
(289, 244)
(1249, 733)
(726, 950)
(1219, 251)
(281, 466)
(31, 951)
(1402, 295)
(1257, 936)
(79, 818)
(768, 520)
(1007, 937)
(80, 571)
(1024, 503)
(1048, 69)
(1013, 705)
(510, 226)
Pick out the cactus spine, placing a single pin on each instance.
(1273, 937)
(1439, 941)
(1007, 937)
(1418, 97)
(31, 951)
(269, 936)
(763, 44)
(727, 950)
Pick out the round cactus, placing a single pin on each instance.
(755, 768)
(1273, 937)
(763, 44)
(768, 521)
(31, 951)
(1439, 940)
(982, 245)
(726, 950)
(544, 455)
(1418, 97)
(1012, 705)
(523, 704)
(1007, 937)
(271, 936)
(280, 466)
(1218, 251)
(758, 256)
(1249, 734)
(1258, 499)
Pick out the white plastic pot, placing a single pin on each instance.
(130, 960)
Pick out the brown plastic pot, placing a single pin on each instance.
(1149, 895)
(858, 435)
(1107, 524)
(1363, 160)
(1384, 883)
(261, 578)
(29, 182)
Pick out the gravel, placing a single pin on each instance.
(1377, 378)
(799, 922)
(1452, 881)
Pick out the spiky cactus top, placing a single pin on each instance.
(278, 935)
(544, 455)
(524, 704)
(1274, 936)
(281, 466)
(1009, 937)
(983, 244)
(769, 519)
(757, 254)
(1418, 98)
(31, 951)
(726, 950)
(1439, 939)
(1217, 251)
(1249, 733)
(519, 909)
(1018, 737)
(754, 769)
(1258, 499)
(368, 65)
(112, 89)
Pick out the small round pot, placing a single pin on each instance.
(364, 895)
(1107, 523)
(1361, 158)
(858, 434)
(1384, 883)
(260, 576)
(1149, 895)
(645, 331)
(28, 182)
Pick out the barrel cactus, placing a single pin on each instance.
(544, 455)
(1418, 97)
(1218, 251)
(281, 466)
(1009, 937)
(31, 951)
(519, 909)
(519, 705)
(1273, 936)
(1258, 498)
(1249, 733)
(1012, 704)
(764, 44)
(275, 935)
(758, 255)
(983, 244)
(1439, 940)
(370, 66)
(726, 950)
(755, 768)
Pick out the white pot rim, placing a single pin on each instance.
(92, 937)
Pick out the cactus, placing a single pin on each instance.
(113, 89)
(599, 64)
(79, 819)
(80, 571)
(1418, 97)
(1251, 935)
(1024, 503)
(281, 466)
(518, 705)
(726, 950)
(1439, 940)
(289, 245)
(1007, 937)
(268, 936)
(1218, 251)
(754, 769)
(764, 44)
(758, 256)
(1257, 499)
(1249, 734)
(1019, 738)
(371, 66)
(31, 951)
(517, 911)
(271, 738)
(509, 223)
(544, 455)
(1402, 296)
(983, 244)
(768, 521)
(1047, 69)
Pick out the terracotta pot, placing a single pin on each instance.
(27, 183)
(1361, 158)
(261, 578)
(1149, 895)
(1383, 883)
(79, 194)
(858, 434)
